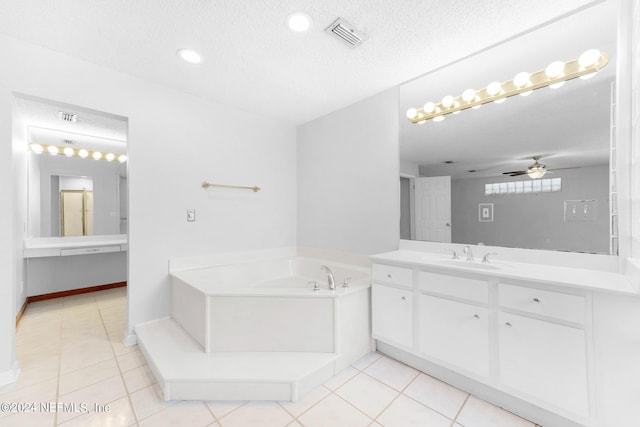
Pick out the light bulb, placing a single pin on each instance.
(97, 155)
(36, 148)
(68, 151)
(299, 22)
(588, 76)
(110, 157)
(412, 113)
(83, 153)
(494, 88)
(447, 101)
(429, 107)
(555, 69)
(522, 79)
(190, 56)
(469, 95)
(52, 149)
(122, 158)
(589, 58)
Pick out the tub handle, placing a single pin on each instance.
(316, 285)
(345, 283)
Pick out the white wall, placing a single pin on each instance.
(175, 142)
(543, 213)
(348, 186)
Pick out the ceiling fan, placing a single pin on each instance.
(535, 171)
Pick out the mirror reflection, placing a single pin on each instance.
(530, 172)
(77, 170)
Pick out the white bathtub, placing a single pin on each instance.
(271, 306)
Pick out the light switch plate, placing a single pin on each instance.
(580, 210)
(191, 215)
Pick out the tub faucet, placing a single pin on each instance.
(330, 278)
(467, 251)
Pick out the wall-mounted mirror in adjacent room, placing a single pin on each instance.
(77, 168)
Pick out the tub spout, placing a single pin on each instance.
(330, 278)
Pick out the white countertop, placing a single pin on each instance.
(75, 241)
(43, 247)
(572, 277)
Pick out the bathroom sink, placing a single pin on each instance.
(469, 264)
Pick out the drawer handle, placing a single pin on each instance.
(477, 316)
(508, 325)
(536, 300)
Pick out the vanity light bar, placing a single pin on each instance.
(76, 152)
(553, 75)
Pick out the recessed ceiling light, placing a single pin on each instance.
(299, 22)
(191, 56)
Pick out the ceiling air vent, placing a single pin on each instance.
(68, 141)
(68, 117)
(346, 32)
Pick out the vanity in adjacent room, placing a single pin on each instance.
(76, 233)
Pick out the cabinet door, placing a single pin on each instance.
(455, 333)
(392, 315)
(544, 360)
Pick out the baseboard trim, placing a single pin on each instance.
(10, 376)
(21, 312)
(71, 292)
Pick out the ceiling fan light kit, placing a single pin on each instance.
(554, 76)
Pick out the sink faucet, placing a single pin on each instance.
(485, 258)
(467, 251)
(330, 278)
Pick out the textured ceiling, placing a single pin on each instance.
(252, 61)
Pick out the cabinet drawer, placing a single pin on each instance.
(390, 274)
(454, 286)
(546, 303)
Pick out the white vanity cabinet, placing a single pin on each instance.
(523, 339)
(392, 305)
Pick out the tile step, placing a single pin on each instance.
(185, 372)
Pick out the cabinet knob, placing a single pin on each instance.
(536, 300)
(404, 298)
(508, 325)
(477, 316)
(389, 276)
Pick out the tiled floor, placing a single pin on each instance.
(70, 352)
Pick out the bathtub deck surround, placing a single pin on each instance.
(262, 325)
(532, 338)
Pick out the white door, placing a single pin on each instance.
(392, 315)
(455, 333)
(433, 209)
(544, 360)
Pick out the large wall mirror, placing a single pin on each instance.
(467, 179)
(77, 170)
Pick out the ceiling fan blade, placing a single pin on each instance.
(559, 169)
(516, 172)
